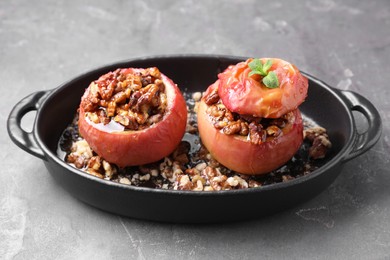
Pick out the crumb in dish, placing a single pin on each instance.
(132, 116)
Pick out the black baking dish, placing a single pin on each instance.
(327, 106)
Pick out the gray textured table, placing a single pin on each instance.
(44, 43)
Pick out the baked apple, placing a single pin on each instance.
(249, 118)
(133, 116)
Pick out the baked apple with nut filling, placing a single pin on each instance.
(133, 116)
(249, 118)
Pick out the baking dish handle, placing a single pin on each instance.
(363, 141)
(20, 137)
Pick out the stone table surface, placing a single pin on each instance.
(45, 43)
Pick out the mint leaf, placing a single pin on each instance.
(257, 67)
(267, 65)
(271, 80)
(254, 72)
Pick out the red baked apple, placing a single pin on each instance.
(145, 124)
(249, 119)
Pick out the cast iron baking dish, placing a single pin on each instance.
(329, 107)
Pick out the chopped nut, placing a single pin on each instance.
(229, 115)
(154, 72)
(135, 177)
(93, 117)
(220, 124)
(94, 163)
(184, 182)
(212, 97)
(232, 181)
(218, 182)
(192, 172)
(198, 186)
(201, 166)
(242, 183)
(176, 168)
(125, 180)
(196, 96)
(78, 161)
(81, 148)
(208, 188)
(111, 108)
(244, 129)
(123, 120)
(120, 97)
(313, 132)
(256, 134)
(216, 112)
(273, 130)
(108, 169)
(319, 147)
(232, 128)
(145, 177)
(320, 142)
(197, 178)
(209, 172)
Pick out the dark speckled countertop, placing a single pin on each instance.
(45, 43)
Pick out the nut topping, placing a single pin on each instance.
(257, 130)
(128, 98)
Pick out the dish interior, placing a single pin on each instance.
(192, 74)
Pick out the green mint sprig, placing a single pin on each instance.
(270, 80)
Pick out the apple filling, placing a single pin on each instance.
(133, 99)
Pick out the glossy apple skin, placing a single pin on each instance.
(245, 94)
(129, 148)
(239, 154)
